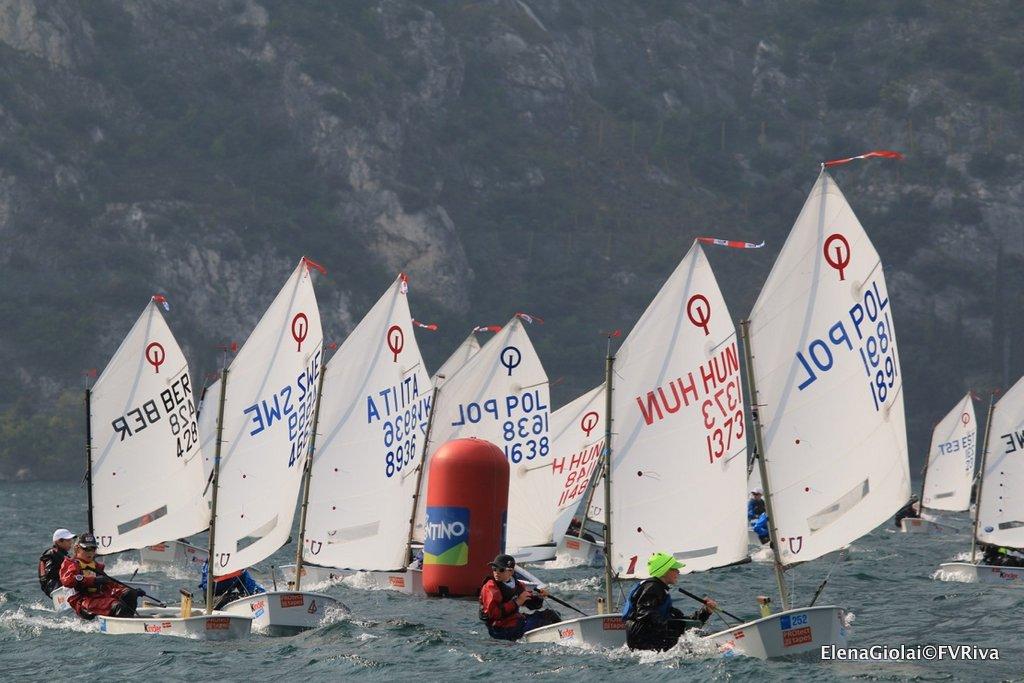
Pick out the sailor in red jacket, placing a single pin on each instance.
(501, 598)
(95, 592)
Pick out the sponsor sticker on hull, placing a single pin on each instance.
(564, 633)
(218, 624)
(797, 636)
(613, 624)
(396, 581)
(292, 600)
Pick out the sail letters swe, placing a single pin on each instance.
(291, 405)
(867, 329)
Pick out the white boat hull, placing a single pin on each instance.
(61, 594)
(176, 553)
(282, 613)
(581, 551)
(167, 621)
(409, 582)
(534, 553)
(981, 573)
(784, 634)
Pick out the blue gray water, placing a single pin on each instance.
(886, 582)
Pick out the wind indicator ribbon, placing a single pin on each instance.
(732, 244)
(530, 318)
(487, 328)
(405, 283)
(162, 300)
(427, 326)
(310, 263)
(876, 154)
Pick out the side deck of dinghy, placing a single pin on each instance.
(785, 634)
(283, 613)
(167, 621)
(980, 573)
(409, 581)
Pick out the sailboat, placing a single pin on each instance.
(145, 476)
(577, 432)
(999, 514)
(675, 407)
(949, 471)
(373, 427)
(265, 402)
(501, 395)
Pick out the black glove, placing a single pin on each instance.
(141, 593)
(101, 581)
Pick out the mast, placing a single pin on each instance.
(215, 482)
(307, 473)
(761, 464)
(608, 364)
(981, 475)
(88, 452)
(924, 478)
(419, 472)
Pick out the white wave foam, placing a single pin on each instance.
(763, 554)
(123, 566)
(27, 623)
(563, 562)
(591, 583)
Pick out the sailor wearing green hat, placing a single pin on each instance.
(652, 623)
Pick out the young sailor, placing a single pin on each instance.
(911, 510)
(501, 598)
(53, 558)
(652, 623)
(95, 592)
(231, 587)
(755, 506)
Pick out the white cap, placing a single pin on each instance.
(62, 535)
(758, 491)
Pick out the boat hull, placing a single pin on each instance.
(409, 581)
(581, 551)
(167, 621)
(534, 553)
(173, 553)
(61, 594)
(283, 613)
(785, 634)
(981, 573)
(916, 525)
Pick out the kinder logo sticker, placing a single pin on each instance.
(256, 605)
(797, 636)
(564, 633)
(292, 600)
(152, 628)
(446, 539)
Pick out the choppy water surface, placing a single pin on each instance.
(886, 582)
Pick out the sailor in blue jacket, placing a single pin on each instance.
(231, 586)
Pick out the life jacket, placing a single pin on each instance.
(629, 608)
(96, 569)
(506, 594)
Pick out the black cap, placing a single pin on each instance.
(87, 541)
(503, 562)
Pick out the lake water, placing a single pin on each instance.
(886, 582)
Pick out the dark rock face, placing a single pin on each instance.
(556, 157)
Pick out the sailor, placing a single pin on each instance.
(755, 506)
(911, 510)
(652, 623)
(53, 558)
(502, 597)
(230, 587)
(95, 592)
(1010, 557)
(760, 527)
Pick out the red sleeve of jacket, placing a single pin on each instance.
(494, 608)
(71, 577)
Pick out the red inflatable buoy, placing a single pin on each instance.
(467, 502)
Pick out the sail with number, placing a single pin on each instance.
(268, 413)
(577, 442)
(680, 436)
(459, 357)
(1001, 508)
(501, 395)
(829, 383)
(950, 471)
(147, 471)
(373, 420)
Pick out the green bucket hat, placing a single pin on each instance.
(661, 563)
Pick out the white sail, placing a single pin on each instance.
(679, 453)
(147, 473)
(1001, 509)
(460, 357)
(950, 473)
(268, 414)
(373, 419)
(577, 438)
(829, 384)
(501, 395)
